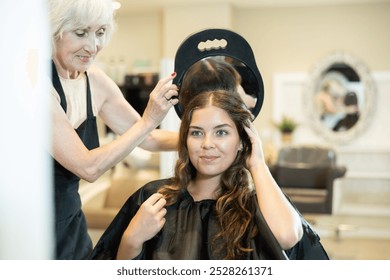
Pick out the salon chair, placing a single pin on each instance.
(139, 168)
(306, 175)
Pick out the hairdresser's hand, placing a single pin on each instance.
(161, 99)
(257, 155)
(147, 222)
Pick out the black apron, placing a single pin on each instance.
(72, 239)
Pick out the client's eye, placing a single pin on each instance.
(221, 132)
(195, 132)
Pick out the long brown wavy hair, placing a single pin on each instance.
(234, 208)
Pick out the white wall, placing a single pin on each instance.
(25, 189)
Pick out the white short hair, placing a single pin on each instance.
(67, 15)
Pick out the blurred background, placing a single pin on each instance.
(298, 44)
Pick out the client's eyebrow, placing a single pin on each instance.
(216, 127)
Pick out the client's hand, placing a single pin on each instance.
(147, 222)
(257, 156)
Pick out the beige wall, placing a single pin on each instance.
(138, 37)
(182, 21)
(293, 39)
(283, 39)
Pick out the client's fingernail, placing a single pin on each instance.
(173, 74)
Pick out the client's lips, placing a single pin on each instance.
(209, 158)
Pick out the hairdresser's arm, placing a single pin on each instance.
(115, 111)
(120, 116)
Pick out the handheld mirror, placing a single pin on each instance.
(234, 49)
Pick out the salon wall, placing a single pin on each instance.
(293, 39)
(284, 39)
(137, 40)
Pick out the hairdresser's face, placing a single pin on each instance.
(77, 49)
(212, 141)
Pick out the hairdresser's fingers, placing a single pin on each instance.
(165, 80)
(164, 88)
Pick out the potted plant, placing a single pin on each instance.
(286, 126)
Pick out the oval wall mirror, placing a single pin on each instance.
(232, 48)
(340, 97)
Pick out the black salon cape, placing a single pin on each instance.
(189, 230)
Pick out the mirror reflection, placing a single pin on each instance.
(341, 96)
(219, 72)
(337, 99)
(248, 87)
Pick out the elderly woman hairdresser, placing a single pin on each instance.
(80, 93)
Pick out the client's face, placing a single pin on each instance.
(212, 141)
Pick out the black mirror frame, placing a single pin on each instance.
(237, 47)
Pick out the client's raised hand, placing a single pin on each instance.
(147, 222)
